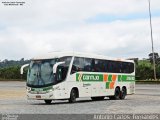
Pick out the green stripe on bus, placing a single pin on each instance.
(119, 78)
(124, 77)
(99, 78)
(77, 75)
(107, 85)
(110, 78)
(128, 79)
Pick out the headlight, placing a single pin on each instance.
(28, 89)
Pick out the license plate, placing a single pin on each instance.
(38, 96)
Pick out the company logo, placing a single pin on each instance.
(89, 77)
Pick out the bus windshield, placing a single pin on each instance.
(40, 73)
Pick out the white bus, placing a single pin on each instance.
(71, 75)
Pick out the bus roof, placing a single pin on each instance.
(77, 54)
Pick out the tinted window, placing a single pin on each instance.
(62, 70)
(78, 65)
(87, 64)
(97, 65)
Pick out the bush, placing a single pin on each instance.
(12, 73)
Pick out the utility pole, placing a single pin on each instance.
(154, 66)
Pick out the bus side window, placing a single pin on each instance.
(93, 65)
(87, 64)
(97, 66)
(109, 66)
(120, 67)
(78, 65)
(59, 73)
(125, 67)
(74, 69)
(74, 66)
(63, 69)
(116, 67)
(113, 67)
(131, 67)
(100, 66)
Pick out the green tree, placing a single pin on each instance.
(144, 70)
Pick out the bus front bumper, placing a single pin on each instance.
(46, 96)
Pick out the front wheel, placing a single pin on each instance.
(73, 96)
(48, 101)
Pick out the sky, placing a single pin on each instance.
(115, 28)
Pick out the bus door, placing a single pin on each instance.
(60, 76)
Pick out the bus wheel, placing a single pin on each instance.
(48, 101)
(123, 93)
(116, 94)
(73, 96)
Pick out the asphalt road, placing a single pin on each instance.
(13, 101)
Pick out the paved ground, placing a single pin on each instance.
(13, 101)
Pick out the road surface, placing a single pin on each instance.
(13, 101)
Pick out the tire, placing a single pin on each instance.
(48, 101)
(123, 93)
(116, 94)
(97, 98)
(73, 96)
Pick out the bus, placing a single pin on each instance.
(72, 75)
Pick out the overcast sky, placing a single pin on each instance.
(115, 28)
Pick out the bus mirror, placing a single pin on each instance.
(56, 65)
(22, 68)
